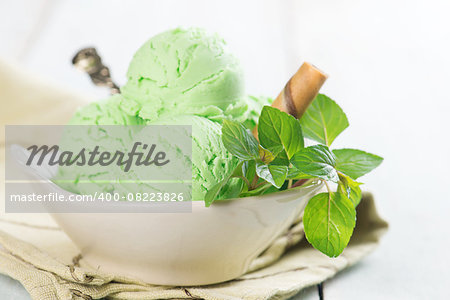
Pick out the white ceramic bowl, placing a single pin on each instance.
(208, 245)
(211, 244)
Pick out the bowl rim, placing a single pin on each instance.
(312, 185)
(201, 203)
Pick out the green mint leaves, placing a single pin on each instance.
(239, 141)
(329, 219)
(279, 160)
(213, 192)
(324, 120)
(356, 163)
(349, 188)
(277, 129)
(274, 174)
(317, 161)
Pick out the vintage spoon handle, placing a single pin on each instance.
(89, 61)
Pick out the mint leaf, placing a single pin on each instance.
(317, 161)
(281, 159)
(277, 128)
(274, 174)
(294, 173)
(239, 141)
(350, 189)
(226, 189)
(213, 192)
(265, 155)
(329, 219)
(356, 163)
(239, 170)
(324, 120)
(249, 169)
(258, 191)
(231, 189)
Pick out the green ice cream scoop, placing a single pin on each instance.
(211, 162)
(104, 112)
(89, 127)
(179, 77)
(183, 71)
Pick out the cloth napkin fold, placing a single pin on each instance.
(35, 251)
(48, 266)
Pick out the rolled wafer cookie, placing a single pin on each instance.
(299, 91)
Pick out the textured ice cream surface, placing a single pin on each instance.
(127, 178)
(179, 77)
(85, 130)
(207, 163)
(254, 108)
(211, 162)
(104, 112)
(246, 110)
(183, 71)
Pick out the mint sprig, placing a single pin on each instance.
(317, 161)
(350, 188)
(239, 141)
(324, 120)
(279, 130)
(279, 160)
(274, 174)
(356, 163)
(329, 220)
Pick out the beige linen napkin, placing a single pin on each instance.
(36, 252)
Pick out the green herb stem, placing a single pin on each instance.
(253, 186)
(289, 184)
(301, 182)
(245, 180)
(260, 184)
(327, 185)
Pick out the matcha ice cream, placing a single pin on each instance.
(183, 72)
(211, 162)
(105, 112)
(179, 77)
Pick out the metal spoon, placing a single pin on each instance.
(88, 60)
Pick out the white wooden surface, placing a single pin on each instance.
(389, 65)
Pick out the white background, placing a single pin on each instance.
(389, 67)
